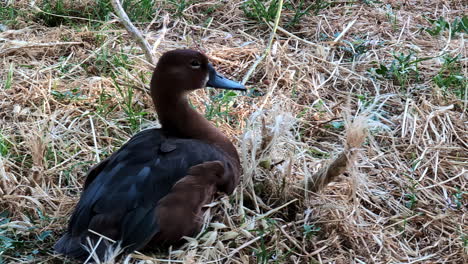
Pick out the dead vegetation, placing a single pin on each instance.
(73, 88)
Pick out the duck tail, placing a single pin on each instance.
(70, 246)
(356, 134)
(89, 249)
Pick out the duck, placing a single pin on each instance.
(152, 191)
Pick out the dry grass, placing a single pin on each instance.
(404, 200)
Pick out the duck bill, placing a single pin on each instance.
(218, 81)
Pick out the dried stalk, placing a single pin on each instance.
(144, 45)
(356, 135)
(270, 42)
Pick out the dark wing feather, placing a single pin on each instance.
(94, 171)
(121, 193)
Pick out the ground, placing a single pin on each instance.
(74, 88)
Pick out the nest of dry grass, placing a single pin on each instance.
(72, 94)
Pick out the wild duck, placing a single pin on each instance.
(153, 189)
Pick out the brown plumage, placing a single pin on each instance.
(152, 190)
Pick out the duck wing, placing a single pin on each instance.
(122, 192)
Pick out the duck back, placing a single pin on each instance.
(121, 194)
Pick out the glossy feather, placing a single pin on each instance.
(122, 192)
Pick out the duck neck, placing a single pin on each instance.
(178, 118)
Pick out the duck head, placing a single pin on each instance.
(182, 71)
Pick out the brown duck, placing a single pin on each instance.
(152, 190)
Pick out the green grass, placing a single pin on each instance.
(107, 60)
(70, 172)
(392, 17)
(410, 197)
(140, 10)
(463, 238)
(261, 10)
(8, 15)
(134, 112)
(265, 11)
(7, 241)
(451, 78)
(73, 94)
(264, 253)
(336, 125)
(9, 77)
(402, 70)
(303, 8)
(440, 25)
(458, 199)
(55, 10)
(103, 62)
(24, 243)
(177, 7)
(411, 200)
(104, 107)
(220, 105)
(65, 65)
(316, 153)
(356, 47)
(310, 230)
(4, 146)
(371, 2)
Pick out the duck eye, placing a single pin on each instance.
(195, 64)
